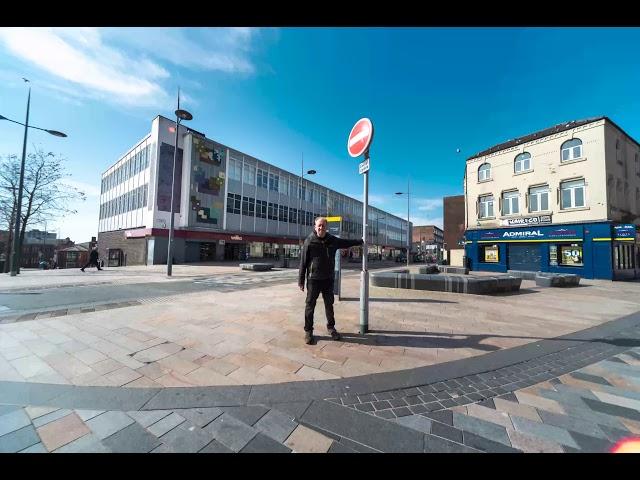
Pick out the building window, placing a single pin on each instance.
(272, 211)
(485, 206)
(248, 206)
(261, 209)
(293, 215)
(571, 255)
(510, 203)
(638, 200)
(233, 203)
(293, 188)
(637, 160)
(283, 211)
(274, 181)
(490, 254)
(249, 176)
(522, 162)
(539, 199)
(484, 172)
(571, 150)
(235, 169)
(572, 194)
(262, 179)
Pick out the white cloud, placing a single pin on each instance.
(124, 65)
(89, 189)
(428, 204)
(420, 220)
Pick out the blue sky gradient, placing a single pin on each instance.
(280, 93)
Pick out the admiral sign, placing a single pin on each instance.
(524, 221)
(624, 231)
(534, 234)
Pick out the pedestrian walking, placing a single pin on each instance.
(317, 268)
(93, 260)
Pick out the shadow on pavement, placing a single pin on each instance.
(399, 300)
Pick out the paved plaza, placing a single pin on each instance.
(213, 360)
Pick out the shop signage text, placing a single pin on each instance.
(524, 221)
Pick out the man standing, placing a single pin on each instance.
(317, 267)
(93, 260)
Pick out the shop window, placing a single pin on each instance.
(490, 254)
(571, 255)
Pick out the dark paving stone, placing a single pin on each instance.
(276, 425)
(365, 407)
(50, 417)
(475, 396)
(367, 398)
(571, 423)
(398, 394)
(295, 409)
(350, 400)
(417, 422)
(324, 432)
(542, 430)
(617, 360)
(439, 387)
(433, 406)
(263, 444)
(382, 405)
(511, 397)
(427, 389)
(386, 414)
(462, 400)
(443, 416)
(89, 443)
(500, 390)
(480, 443)
(249, 414)
(445, 431)
(427, 397)
(591, 444)
(215, 447)
(147, 419)
(433, 444)
(195, 397)
(614, 410)
(448, 403)
(233, 433)
(398, 402)
(337, 447)
(105, 398)
(418, 408)
(442, 395)
(132, 439)
(384, 396)
(14, 420)
(358, 447)
(488, 402)
(20, 439)
(199, 416)
(108, 423)
(413, 400)
(367, 429)
(401, 411)
(411, 392)
(615, 434)
(482, 428)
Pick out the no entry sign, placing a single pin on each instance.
(360, 137)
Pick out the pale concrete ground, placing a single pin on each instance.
(255, 336)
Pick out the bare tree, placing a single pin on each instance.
(45, 196)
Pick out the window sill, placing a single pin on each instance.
(486, 218)
(523, 172)
(575, 209)
(541, 212)
(573, 160)
(485, 181)
(510, 215)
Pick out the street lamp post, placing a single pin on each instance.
(180, 115)
(408, 237)
(300, 194)
(15, 254)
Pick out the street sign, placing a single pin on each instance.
(360, 137)
(363, 167)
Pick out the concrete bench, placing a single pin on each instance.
(429, 269)
(256, 267)
(455, 270)
(523, 274)
(557, 280)
(447, 283)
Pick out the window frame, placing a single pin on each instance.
(520, 159)
(571, 150)
(487, 176)
(572, 189)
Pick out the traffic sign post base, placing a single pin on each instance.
(364, 297)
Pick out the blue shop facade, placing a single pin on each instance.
(603, 250)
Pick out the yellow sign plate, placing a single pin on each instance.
(334, 219)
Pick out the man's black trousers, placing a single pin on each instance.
(314, 288)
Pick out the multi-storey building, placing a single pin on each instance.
(227, 204)
(454, 227)
(428, 241)
(565, 199)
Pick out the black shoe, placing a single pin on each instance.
(334, 333)
(308, 338)
(82, 269)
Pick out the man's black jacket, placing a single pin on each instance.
(93, 256)
(318, 254)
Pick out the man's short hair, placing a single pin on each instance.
(315, 222)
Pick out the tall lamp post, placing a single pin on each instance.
(408, 236)
(180, 115)
(300, 219)
(16, 249)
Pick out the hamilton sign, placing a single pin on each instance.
(525, 221)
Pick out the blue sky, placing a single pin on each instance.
(280, 93)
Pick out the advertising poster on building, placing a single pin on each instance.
(571, 255)
(553, 255)
(491, 254)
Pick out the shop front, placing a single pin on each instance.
(597, 250)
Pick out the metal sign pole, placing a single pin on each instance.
(364, 276)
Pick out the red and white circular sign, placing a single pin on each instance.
(360, 137)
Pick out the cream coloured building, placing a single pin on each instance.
(565, 199)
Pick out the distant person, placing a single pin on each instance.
(93, 260)
(317, 268)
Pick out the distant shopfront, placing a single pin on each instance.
(595, 250)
